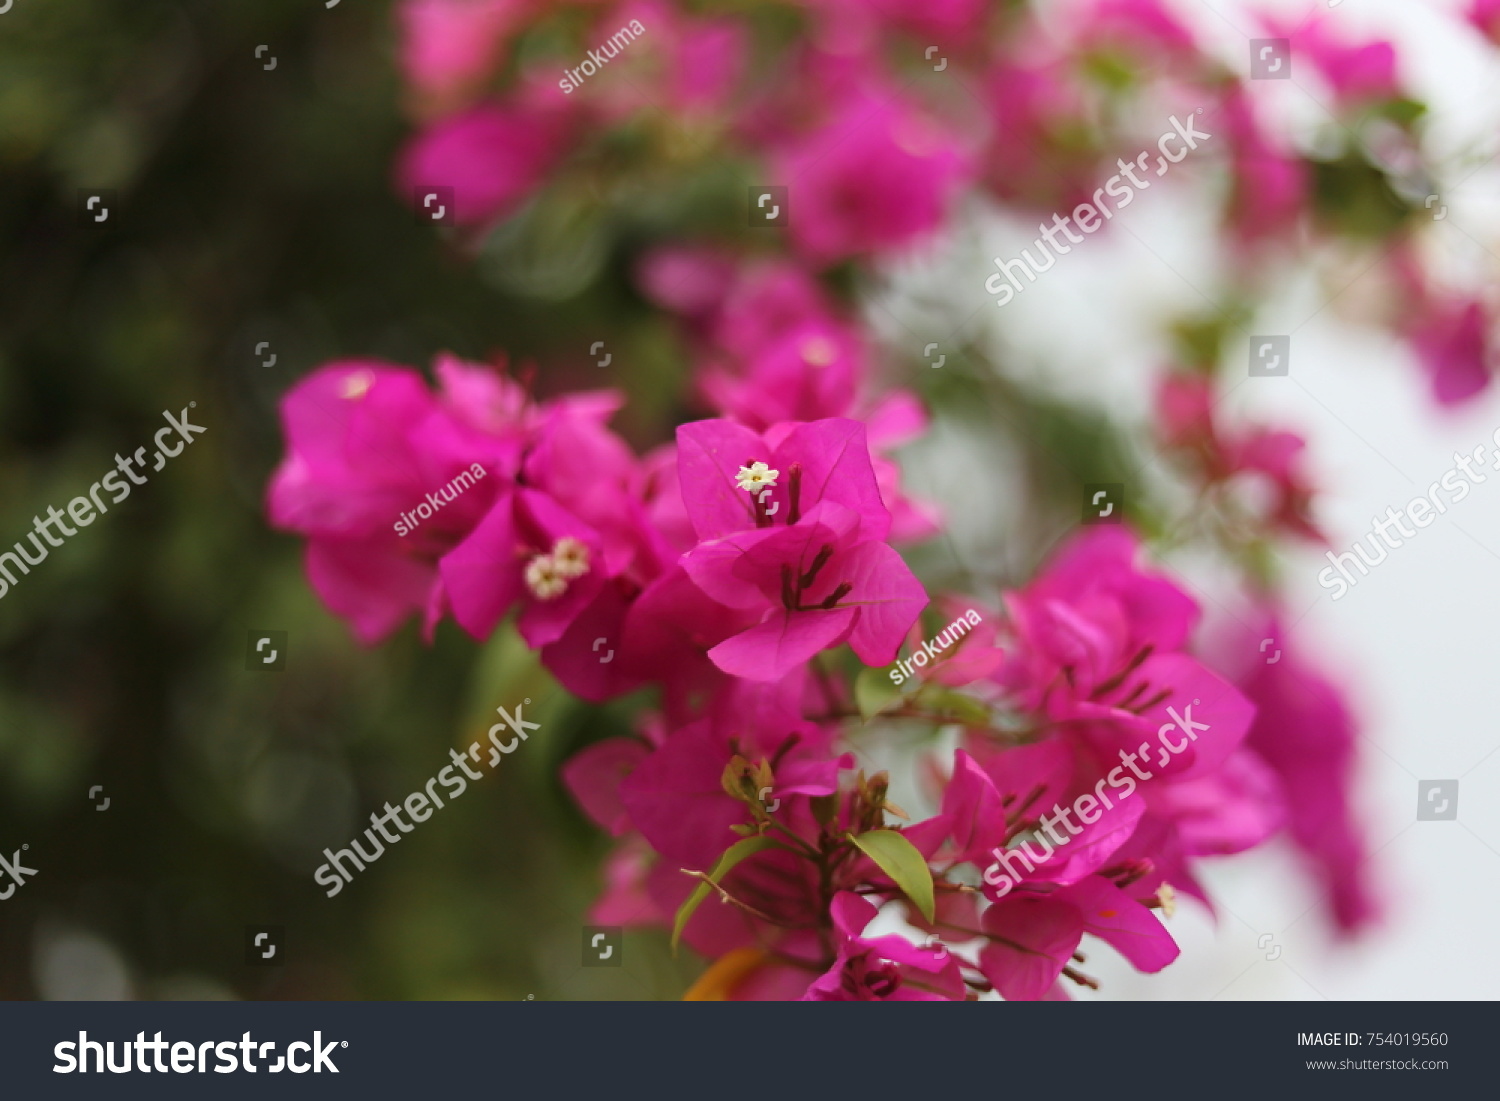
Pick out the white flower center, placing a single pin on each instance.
(1167, 896)
(544, 579)
(570, 557)
(756, 477)
(819, 351)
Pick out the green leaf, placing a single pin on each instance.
(1403, 111)
(899, 859)
(874, 692)
(956, 706)
(731, 856)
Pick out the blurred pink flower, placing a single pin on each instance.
(1185, 420)
(810, 371)
(1269, 183)
(688, 65)
(450, 47)
(1041, 151)
(367, 443)
(493, 156)
(874, 178)
(1485, 14)
(947, 20)
(687, 279)
(1358, 74)
(1142, 31)
(1305, 731)
(1452, 342)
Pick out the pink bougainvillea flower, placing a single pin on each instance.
(667, 634)
(450, 47)
(591, 472)
(688, 66)
(776, 350)
(894, 420)
(585, 658)
(709, 63)
(1065, 889)
(528, 550)
(1143, 31)
(1013, 806)
(799, 542)
(1178, 716)
(676, 796)
(1186, 421)
(1452, 342)
(1306, 733)
(1099, 652)
(765, 301)
(573, 545)
(1031, 939)
(1121, 921)
(1092, 612)
(1270, 185)
(1039, 845)
(959, 654)
(974, 814)
(1184, 412)
(492, 156)
(687, 279)
(349, 465)
(594, 775)
(1358, 74)
(854, 21)
(1039, 153)
(1278, 456)
(854, 25)
(826, 460)
(487, 401)
(809, 373)
(1485, 14)
(881, 969)
(875, 178)
(383, 480)
(1233, 808)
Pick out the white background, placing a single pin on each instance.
(1415, 641)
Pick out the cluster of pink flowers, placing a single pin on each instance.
(747, 571)
(1026, 113)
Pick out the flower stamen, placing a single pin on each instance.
(544, 579)
(570, 557)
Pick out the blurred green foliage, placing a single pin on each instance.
(256, 205)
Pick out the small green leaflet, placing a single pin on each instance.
(874, 692)
(899, 859)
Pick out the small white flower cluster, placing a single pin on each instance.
(547, 575)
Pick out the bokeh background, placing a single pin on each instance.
(254, 206)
